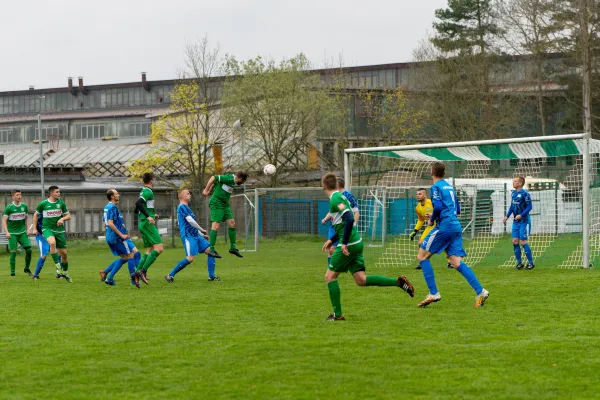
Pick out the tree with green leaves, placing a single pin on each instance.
(183, 136)
(281, 107)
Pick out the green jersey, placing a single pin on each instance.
(338, 205)
(148, 196)
(52, 212)
(16, 217)
(224, 185)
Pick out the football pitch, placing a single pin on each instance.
(260, 334)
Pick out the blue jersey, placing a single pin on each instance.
(520, 205)
(445, 207)
(111, 212)
(38, 227)
(351, 199)
(186, 230)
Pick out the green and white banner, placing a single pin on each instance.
(557, 148)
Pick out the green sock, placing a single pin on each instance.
(55, 258)
(150, 259)
(335, 296)
(27, 258)
(142, 262)
(64, 266)
(13, 262)
(232, 236)
(376, 280)
(213, 239)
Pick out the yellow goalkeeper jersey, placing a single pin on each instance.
(421, 211)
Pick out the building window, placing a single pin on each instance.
(84, 132)
(139, 129)
(47, 132)
(7, 135)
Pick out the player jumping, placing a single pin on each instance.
(192, 235)
(220, 210)
(348, 256)
(520, 207)
(447, 235)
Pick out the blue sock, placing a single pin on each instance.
(112, 265)
(517, 253)
(528, 253)
(116, 267)
(212, 263)
(470, 277)
(428, 275)
(137, 257)
(39, 266)
(180, 265)
(131, 264)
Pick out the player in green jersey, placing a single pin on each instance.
(348, 256)
(15, 224)
(220, 211)
(55, 214)
(147, 225)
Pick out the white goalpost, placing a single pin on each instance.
(561, 174)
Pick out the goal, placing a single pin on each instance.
(561, 174)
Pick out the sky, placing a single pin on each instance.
(42, 42)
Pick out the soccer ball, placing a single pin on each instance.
(269, 169)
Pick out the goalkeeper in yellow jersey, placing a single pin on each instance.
(424, 210)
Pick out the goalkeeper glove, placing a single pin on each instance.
(413, 234)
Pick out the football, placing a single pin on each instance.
(269, 169)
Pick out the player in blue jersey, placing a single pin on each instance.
(447, 235)
(194, 238)
(118, 241)
(330, 245)
(43, 247)
(520, 207)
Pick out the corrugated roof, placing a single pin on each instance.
(79, 157)
(24, 158)
(148, 112)
(75, 157)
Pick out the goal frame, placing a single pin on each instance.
(578, 136)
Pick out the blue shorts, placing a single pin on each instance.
(438, 241)
(42, 245)
(194, 245)
(520, 230)
(330, 234)
(130, 244)
(120, 248)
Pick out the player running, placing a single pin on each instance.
(331, 232)
(520, 207)
(147, 224)
(424, 210)
(55, 214)
(220, 210)
(447, 235)
(192, 235)
(118, 241)
(43, 247)
(348, 256)
(15, 225)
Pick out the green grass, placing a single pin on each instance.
(260, 333)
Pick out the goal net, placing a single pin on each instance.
(385, 181)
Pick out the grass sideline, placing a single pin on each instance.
(260, 333)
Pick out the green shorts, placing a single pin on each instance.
(60, 237)
(149, 234)
(220, 213)
(353, 263)
(16, 238)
